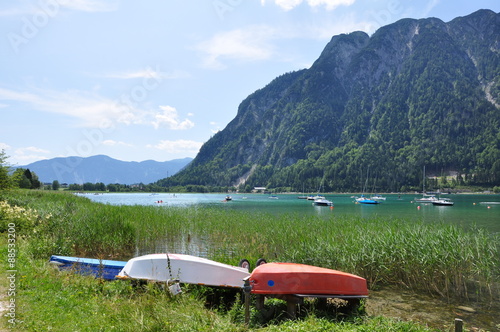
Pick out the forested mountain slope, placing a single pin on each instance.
(416, 93)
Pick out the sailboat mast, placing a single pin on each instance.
(423, 183)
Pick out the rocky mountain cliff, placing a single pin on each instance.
(416, 93)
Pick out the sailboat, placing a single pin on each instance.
(363, 199)
(425, 198)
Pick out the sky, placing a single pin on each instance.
(155, 79)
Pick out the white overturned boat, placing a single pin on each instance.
(184, 268)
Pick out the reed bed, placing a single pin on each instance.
(433, 257)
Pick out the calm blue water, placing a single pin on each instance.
(480, 210)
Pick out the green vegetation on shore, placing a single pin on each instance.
(436, 258)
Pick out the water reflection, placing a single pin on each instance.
(189, 244)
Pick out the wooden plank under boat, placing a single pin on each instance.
(106, 269)
(306, 280)
(184, 268)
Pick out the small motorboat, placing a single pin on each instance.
(306, 280)
(443, 202)
(184, 269)
(321, 201)
(228, 198)
(105, 269)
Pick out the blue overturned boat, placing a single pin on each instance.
(105, 269)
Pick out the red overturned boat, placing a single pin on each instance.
(306, 280)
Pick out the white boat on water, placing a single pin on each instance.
(443, 201)
(184, 268)
(426, 199)
(321, 201)
(378, 198)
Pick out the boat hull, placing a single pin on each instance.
(300, 279)
(367, 201)
(443, 203)
(184, 268)
(323, 202)
(106, 269)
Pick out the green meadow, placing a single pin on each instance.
(433, 258)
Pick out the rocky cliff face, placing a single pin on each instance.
(417, 92)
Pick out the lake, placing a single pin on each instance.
(482, 211)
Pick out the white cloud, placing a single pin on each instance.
(53, 7)
(95, 111)
(288, 4)
(170, 118)
(13, 12)
(149, 73)
(249, 44)
(429, 7)
(329, 4)
(90, 5)
(4, 146)
(326, 29)
(31, 149)
(91, 109)
(257, 42)
(179, 146)
(110, 142)
(29, 154)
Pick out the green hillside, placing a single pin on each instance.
(373, 109)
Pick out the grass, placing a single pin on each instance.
(436, 258)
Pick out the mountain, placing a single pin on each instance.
(104, 169)
(371, 110)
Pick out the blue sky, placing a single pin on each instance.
(139, 80)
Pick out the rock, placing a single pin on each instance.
(466, 309)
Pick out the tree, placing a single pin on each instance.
(55, 185)
(5, 182)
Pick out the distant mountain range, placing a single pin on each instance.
(370, 110)
(104, 169)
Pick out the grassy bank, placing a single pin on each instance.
(49, 300)
(435, 258)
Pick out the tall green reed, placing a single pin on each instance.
(433, 257)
